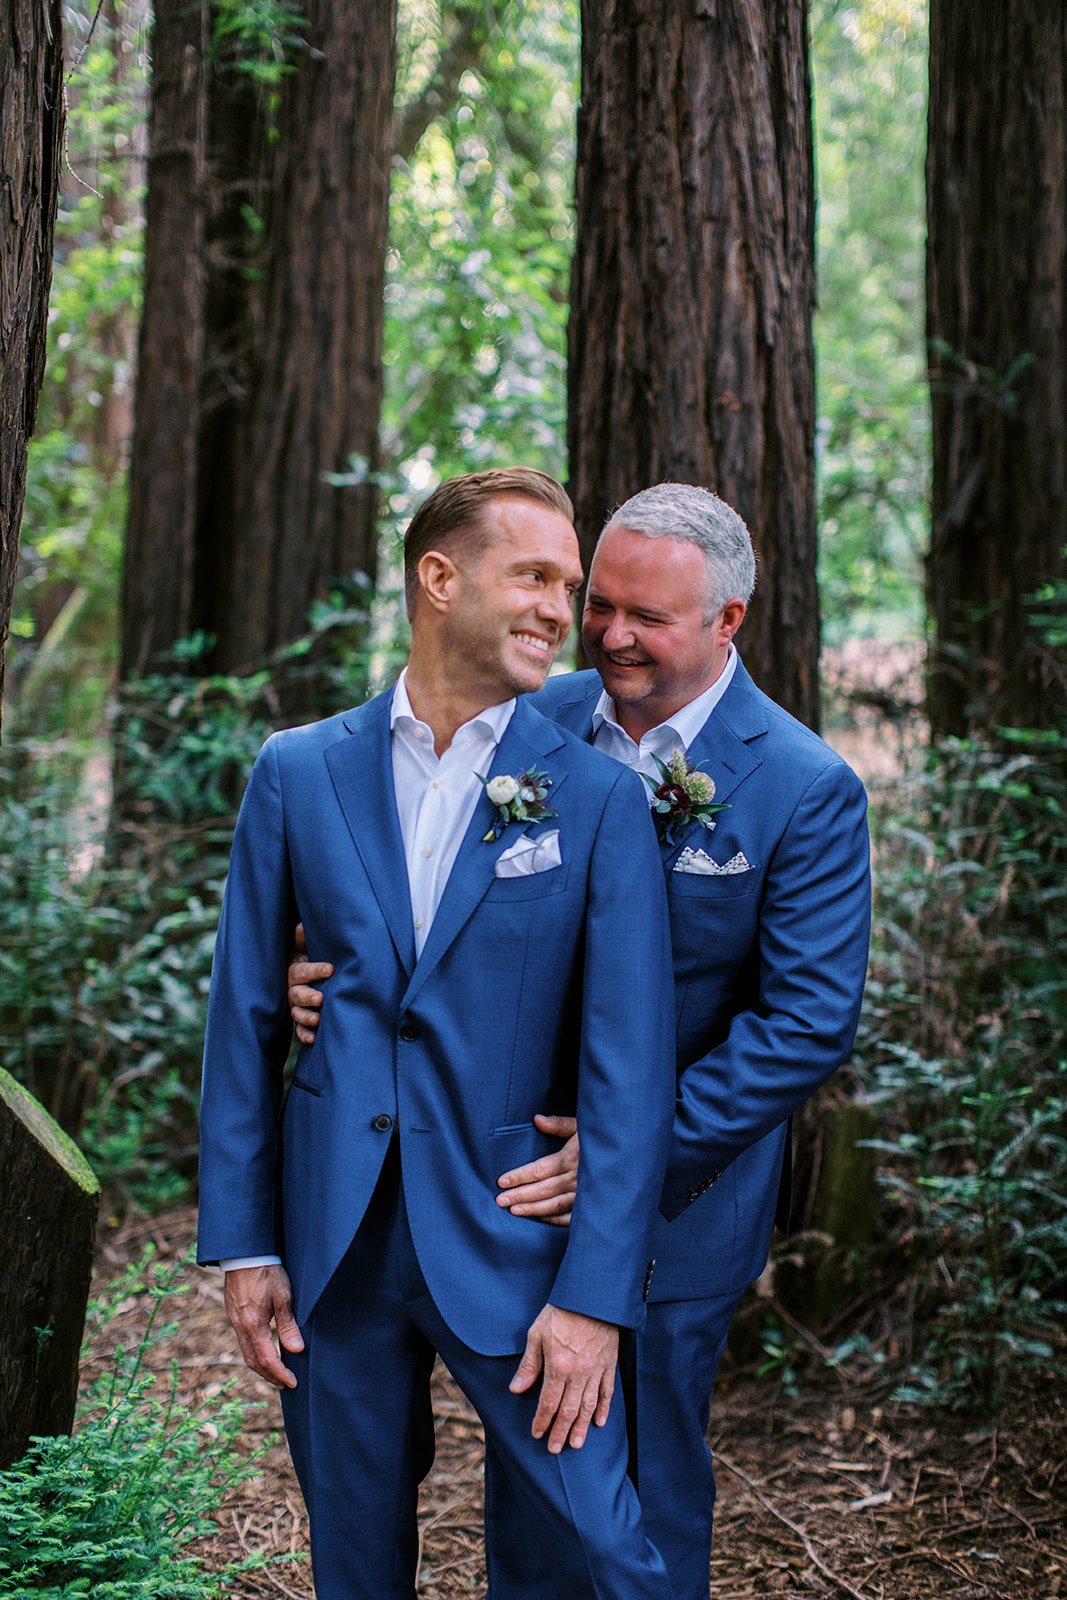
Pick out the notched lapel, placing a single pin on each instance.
(361, 770)
(528, 742)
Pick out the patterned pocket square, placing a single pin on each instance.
(527, 856)
(697, 861)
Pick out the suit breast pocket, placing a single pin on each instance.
(711, 888)
(536, 886)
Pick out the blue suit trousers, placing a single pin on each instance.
(360, 1430)
(674, 1361)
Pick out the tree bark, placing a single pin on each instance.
(31, 136)
(316, 386)
(161, 533)
(997, 325)
(48, 1199)
(272, 242)
(690, 339)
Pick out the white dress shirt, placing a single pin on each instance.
(436, 797)
(435, 801)
(677, 733)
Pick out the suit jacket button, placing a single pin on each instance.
(383, 1123)
(410, 1032)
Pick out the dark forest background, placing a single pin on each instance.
(309, 258)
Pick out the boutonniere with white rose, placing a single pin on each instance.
(520, 799)
(683, 795)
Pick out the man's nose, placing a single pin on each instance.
(555, 605)
(618, 635)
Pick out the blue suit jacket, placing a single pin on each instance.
(769, 970)
(548, 991)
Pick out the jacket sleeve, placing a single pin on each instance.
(626, 1065)
(248, 1031)
(813, 940)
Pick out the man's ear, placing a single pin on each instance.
(730, 619)
(438, 577)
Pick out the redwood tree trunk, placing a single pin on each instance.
(690, 338)
(316, 385)
(997, 325)
(270, 379)
(31, 135)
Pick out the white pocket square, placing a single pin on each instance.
(697, 861)
(527, 856)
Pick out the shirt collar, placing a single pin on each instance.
(492, 722)
(686, 722)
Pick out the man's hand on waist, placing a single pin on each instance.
(305, 1003)
(578, 1357)
(545, 1188)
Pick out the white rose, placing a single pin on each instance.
(502, 790)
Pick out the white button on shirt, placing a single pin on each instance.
(677, 733)
(435, 800)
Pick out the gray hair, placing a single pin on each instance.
(682, 511)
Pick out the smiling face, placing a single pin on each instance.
(645, 626)
(509, 603)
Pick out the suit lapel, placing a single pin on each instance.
(722, 749)
(361, 769)
(528, 739)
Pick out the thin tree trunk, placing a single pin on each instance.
(690, 338)
(31, 136)
(997, 325)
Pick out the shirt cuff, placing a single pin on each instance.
(233, 1263)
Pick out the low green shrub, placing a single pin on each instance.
(110, 1511)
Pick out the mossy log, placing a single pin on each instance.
(48, 1204)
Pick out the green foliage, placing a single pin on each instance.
(104, 972)
(869, 70)
(111, 1509)
(476, 299)
(257, 38)
(782, 1353)
(965, 1043)
(106, 946)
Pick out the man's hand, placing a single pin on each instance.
(544, 1188)
(255, 1296)
(578, 1356)
(305, 1002)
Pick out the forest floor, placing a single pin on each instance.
(830, 1490)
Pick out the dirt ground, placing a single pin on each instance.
(832, 1491)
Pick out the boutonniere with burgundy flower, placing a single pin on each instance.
(683, 795)
(520, 799)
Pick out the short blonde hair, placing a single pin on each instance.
(452, 518)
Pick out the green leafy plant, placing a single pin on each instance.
(111, 1509)
(106, 938)
(782, 1352)
(964, 1042)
